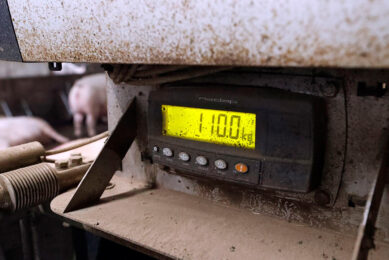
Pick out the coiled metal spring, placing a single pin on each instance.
(32, 185)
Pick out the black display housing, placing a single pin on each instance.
(290, 131)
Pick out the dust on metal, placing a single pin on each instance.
(350, 33)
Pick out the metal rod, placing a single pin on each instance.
(20, 156)
(6, 109)
(26, 108)
(78, 144)
(65, 102)
(34, 236)
(25, 236)
(365, 238)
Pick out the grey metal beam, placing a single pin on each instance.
(9, 48)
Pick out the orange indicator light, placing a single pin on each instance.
(241, 167)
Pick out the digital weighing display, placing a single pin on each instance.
(209, 125)
(259, 137)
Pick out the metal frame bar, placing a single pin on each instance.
(365, 238)
(107, 162)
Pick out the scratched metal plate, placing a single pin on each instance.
(348, 33)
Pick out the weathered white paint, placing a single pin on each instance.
(342, 33)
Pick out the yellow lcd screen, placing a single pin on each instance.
(209, 125)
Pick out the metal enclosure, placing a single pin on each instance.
(333, 51)
(350, 165)
(289, 140)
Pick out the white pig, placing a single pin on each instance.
(23, 129)
(88, 98)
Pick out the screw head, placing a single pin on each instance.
(329, 90)
(61, 164)
(75, 160)
(322, 197)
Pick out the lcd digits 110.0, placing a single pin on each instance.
(208, 125)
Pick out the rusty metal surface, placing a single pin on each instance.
(349, 33)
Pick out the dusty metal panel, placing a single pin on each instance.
(349, 33)
(256, 202)
(9, 49)
(180, 226)
(354, 126)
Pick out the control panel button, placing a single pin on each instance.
(201, 160)
(167, 152)
(156, 149)
(241, 167)
(183, 156)
(221, 164)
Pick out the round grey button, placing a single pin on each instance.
(167, 152)
(156, 149)
(221, 164)
(201, 160)
(184, 156)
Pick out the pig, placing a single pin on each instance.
(88, 99)
(23, 129)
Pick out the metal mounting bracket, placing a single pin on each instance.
(366, 232)
(107, 162)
